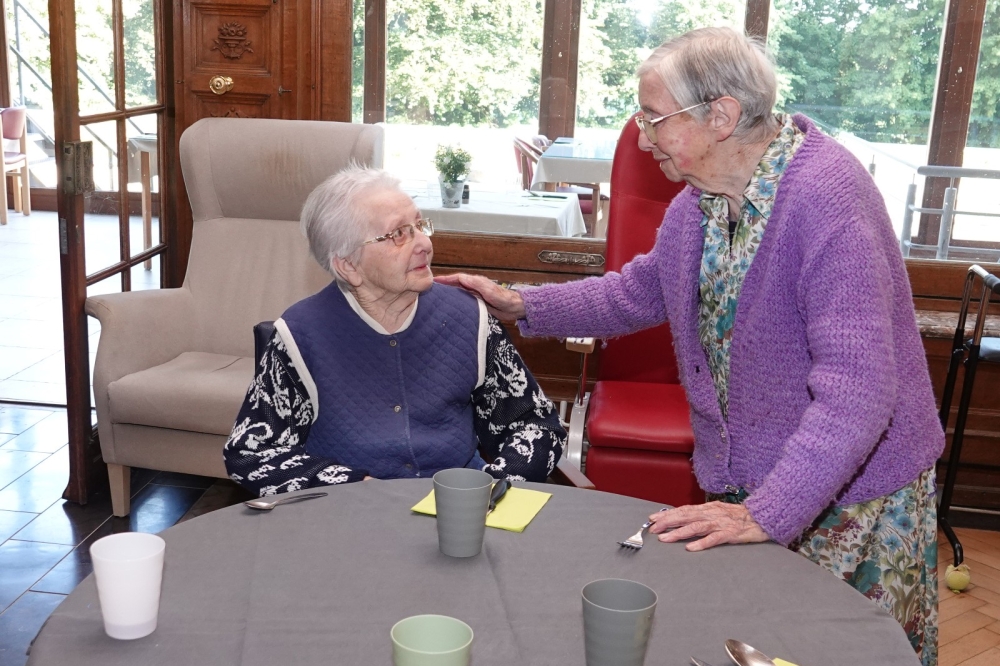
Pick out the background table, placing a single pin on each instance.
(506, 213)
(576, 161)
(143, 164)
(323, 581)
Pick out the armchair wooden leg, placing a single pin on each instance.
(120, 478)
(17, 192)
(3, 198)
(25, 191)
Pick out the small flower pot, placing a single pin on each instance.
(451, 193)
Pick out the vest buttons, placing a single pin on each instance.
(397, 409)
(392, 343)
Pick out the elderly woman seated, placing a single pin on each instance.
(383, 373)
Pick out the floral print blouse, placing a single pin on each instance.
(729, 250)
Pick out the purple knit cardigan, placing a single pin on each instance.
(830, 399)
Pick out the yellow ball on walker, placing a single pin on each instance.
(957, 578)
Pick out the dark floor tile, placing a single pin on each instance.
(140, 478)
(158, 507)
(21, 623)
(221, 494)
(65, 576)
(47, 436)
(23, 563)
(15, 463)
(183, 480)
(12, 521)
(41, 487)
(67, 522)
(15, 420)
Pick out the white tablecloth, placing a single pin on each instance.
(506, 213)
(574, 162)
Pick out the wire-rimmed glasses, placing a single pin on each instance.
(649, 126)
(402, 235)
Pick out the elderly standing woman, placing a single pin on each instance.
(383, 373)
(793, 324)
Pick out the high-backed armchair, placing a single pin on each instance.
(173, 365)
(639, 425)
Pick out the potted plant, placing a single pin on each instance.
(453, 168)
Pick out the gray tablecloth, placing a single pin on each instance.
(322, 582)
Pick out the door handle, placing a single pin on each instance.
(282, 90)
(220, 85)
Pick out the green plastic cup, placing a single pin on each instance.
(431, 640)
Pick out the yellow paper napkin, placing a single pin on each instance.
(513, 513)
(782, 662)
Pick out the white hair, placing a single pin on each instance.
(332, 219)
(709, 63)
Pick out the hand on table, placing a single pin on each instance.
(716, 522)
(504, 304)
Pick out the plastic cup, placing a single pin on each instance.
(462, 498)
(431, 640)
(617, 617)
(129, 569)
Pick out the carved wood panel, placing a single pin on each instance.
(239, 42)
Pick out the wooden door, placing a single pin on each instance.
(232, 60)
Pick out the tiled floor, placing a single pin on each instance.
(31, 360)
(45, 541)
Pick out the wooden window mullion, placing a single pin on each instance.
(963, 31)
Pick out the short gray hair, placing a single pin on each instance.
(332, 220)
(709, 63)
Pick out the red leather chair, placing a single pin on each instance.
(638, 425)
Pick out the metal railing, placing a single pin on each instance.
(947, 212)
(23, 62)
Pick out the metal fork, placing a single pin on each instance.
(634, 542)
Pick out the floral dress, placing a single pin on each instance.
(885, 548)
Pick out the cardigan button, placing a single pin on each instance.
(392, 343)
(397, 409)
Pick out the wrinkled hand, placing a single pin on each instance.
(716, 522)
(504, 304)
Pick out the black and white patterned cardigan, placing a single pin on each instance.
(517, 426)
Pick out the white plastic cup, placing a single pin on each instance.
(129, 570)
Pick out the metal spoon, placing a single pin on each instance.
(264, 505)
(744, 655)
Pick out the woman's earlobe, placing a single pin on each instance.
(346, 270)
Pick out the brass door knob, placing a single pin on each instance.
(220, 85)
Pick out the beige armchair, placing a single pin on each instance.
(173, 365)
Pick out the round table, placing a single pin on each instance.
(323, 581)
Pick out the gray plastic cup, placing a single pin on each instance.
(431, 640)
(617, 616)
(462, 498)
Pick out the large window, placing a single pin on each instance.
(616, 36)
(865, 72)
(982, 148)
(461, 72)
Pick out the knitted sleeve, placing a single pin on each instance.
(266, 451)
(517, 425)
(602, 307)
(845, 295)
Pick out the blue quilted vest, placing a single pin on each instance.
(397, 405)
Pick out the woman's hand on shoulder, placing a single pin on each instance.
(715, 522)
(504, 304)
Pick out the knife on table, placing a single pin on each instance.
(499, 490)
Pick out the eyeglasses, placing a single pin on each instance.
(649, 126)
(402, 235)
